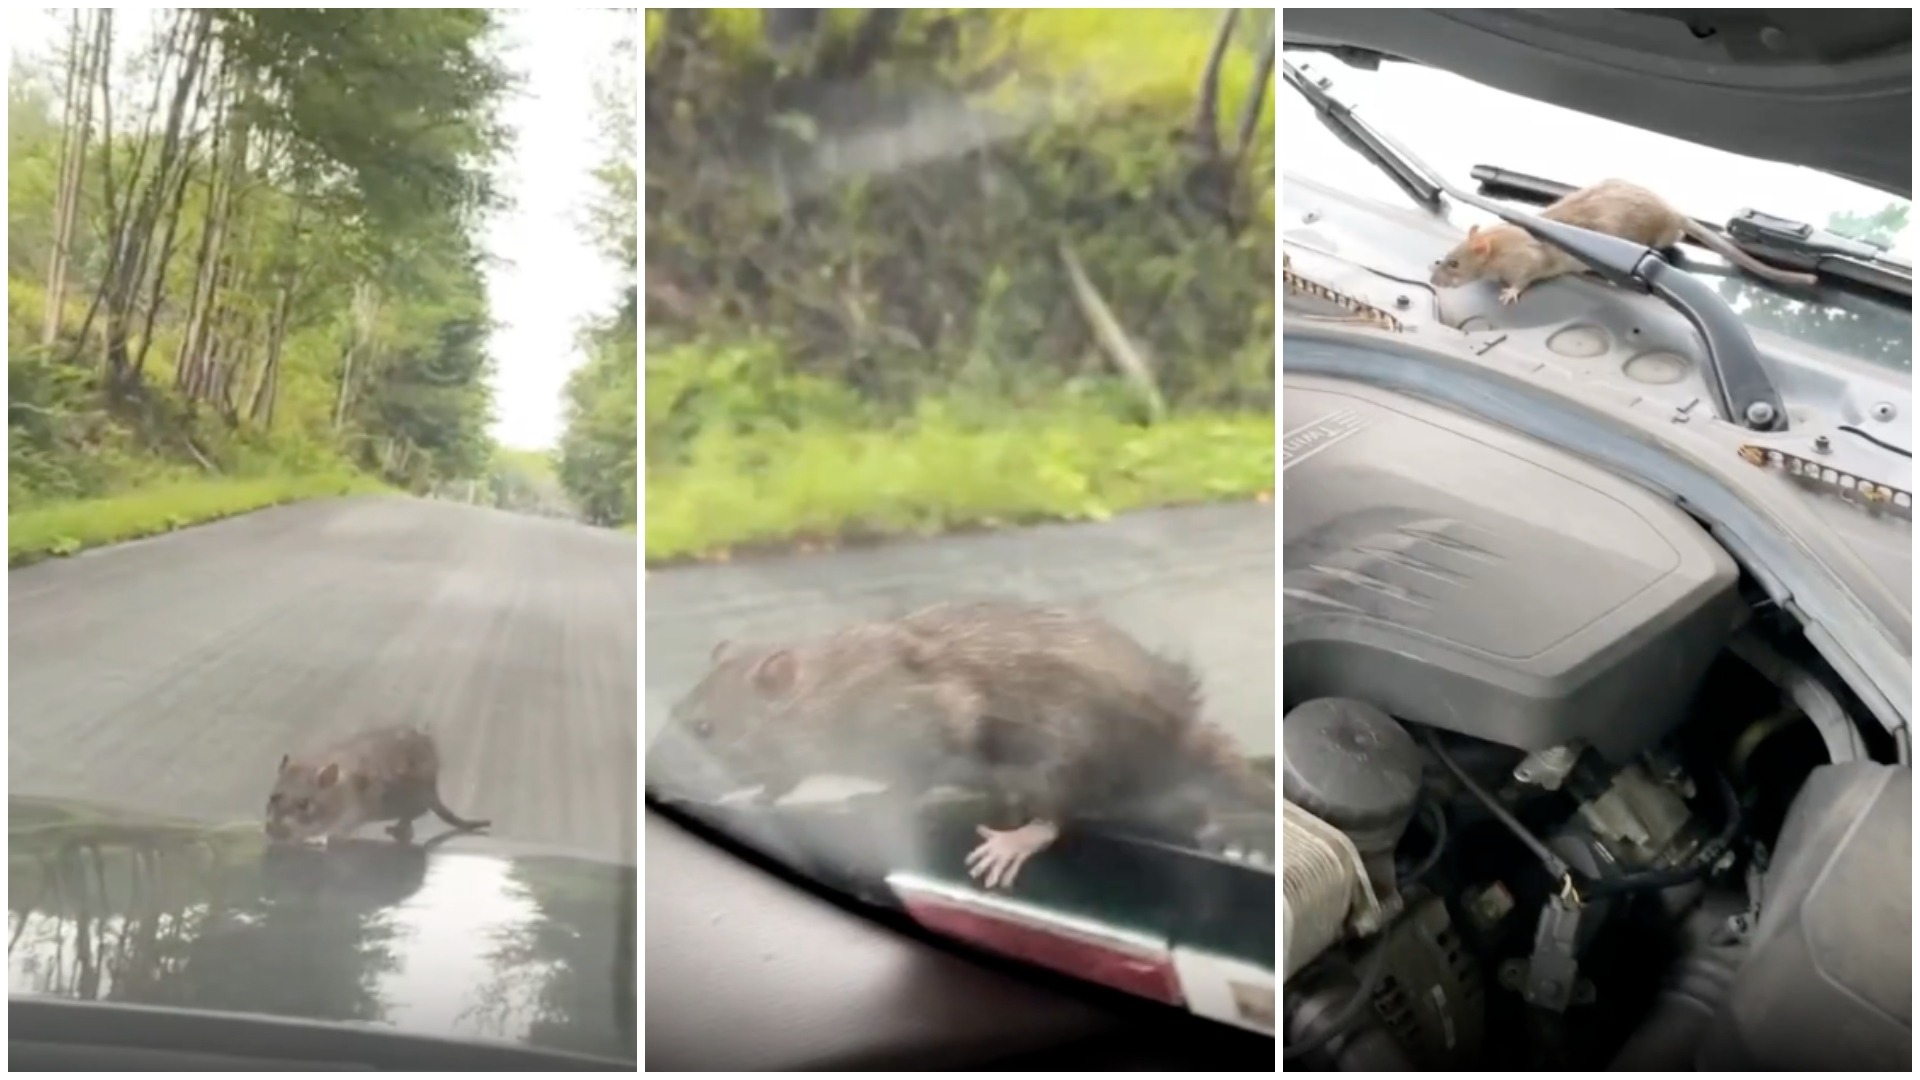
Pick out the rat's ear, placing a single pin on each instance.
(1473, 231)
(720, 652)
(284, 759)
(1481, 243)
(776, 673)
(329, 775)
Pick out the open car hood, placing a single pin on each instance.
(1829, 90)
(471, 940)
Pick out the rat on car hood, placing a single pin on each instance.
(469, 940)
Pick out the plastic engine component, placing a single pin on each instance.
(1828, 986)
(1321, 878)
(1348, 764)
(1462, 576)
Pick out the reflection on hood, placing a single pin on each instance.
(460, 940)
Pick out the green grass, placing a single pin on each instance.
(825, 485)
(62, 528)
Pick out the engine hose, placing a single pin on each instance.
(1556, 866)
(1437, 821)
(1371, 972)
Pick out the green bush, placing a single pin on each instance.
(62, 528)
(860, 321)
(935, 472)
(920, 269)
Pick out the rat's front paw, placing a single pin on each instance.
(1003, 852)
(1510, 294)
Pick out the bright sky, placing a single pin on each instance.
(554, 280)
(1454, 124)
(550, 278)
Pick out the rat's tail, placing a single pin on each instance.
(1226, 771)
(440, 811)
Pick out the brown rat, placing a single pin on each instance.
(387, 774)
(1057, 710)
(1512, 256)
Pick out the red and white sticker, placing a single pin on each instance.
(1208, 984)
(1226, 989)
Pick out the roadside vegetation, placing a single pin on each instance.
(910, 271)
(66, 526)
(243, 264)
(598, 460)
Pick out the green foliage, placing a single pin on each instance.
(859, 319)
(1881, 227)
(598, 458)
(934, 473)
(599, 449)
(63, 528)
(741, 388)
(902, 233)
(527, 481)
(322, 223)
(389, 110)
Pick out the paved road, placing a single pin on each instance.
(170, 674)
(1196, 582)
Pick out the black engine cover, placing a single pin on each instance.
(1463, 576)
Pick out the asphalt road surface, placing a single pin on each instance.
(169, 675)
(1196, 582)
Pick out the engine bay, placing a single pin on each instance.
(1562, 788)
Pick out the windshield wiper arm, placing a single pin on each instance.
(1742, 391)
(1339, 118)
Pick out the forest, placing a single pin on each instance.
(599, 453)
(910, 271)
(244, 264)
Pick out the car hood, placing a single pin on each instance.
(469, 939)
(1829, 90)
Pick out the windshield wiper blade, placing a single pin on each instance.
(1742, 390)
(1802, 246)
(1339, 118)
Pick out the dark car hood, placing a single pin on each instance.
(470, 939)
(1830, 90)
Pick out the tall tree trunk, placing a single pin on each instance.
(286, 289)
(155, 293)
(1206, 112)
(229, 170)
(235, 324)
(76, 119)
(265, 387)
(366, 308)
(205, 263)
(103, 67)
(143, 212)
(1256, 103)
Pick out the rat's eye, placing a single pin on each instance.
(703, 727)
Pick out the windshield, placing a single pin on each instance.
(1425, 109)
(971, 309)
(322, 618)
